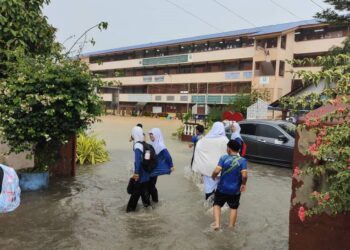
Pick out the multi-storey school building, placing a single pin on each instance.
(172, 76)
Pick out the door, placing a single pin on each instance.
(269, 147)
(249, 137)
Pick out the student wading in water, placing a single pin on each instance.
(199, 135)
(233, 179)
(140, 176)
(208, 151)
(164, 161)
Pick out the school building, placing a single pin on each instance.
(173, 76)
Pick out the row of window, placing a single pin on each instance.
(176, 50)
(192, 88)
(321, 33)
(178, 69)
(241, 42)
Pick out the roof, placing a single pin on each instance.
(258, 31)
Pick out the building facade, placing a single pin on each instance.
(173, 76)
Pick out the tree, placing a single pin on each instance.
(44, 101)
(242, 101)
(338, 15)
(24, 25)
(331, 150)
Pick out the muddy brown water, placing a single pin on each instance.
(88, 211)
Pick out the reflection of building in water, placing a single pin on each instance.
(175, 75)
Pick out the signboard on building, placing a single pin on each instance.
(264, 80)
(258, 110)
(232, 75)
(164, 60)
(147, 79)
(159, 79)
(156, 109)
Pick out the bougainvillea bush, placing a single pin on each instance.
(330, 152)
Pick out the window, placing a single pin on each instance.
(184, 98)
(231, 66)
(283, 42)
(267, 131)
(267, 43)
(158, 98)
(170, 98)
(321, 33)
(289, 128)
(248, 129)
(307, 63)
(281, 69)
(185, 69)
(265, 68)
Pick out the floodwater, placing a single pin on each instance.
(88, 211)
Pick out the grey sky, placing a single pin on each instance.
(134, 22)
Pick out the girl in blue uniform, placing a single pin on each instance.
(140, 176)
(164, 161)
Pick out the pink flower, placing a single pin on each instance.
(318, 141)
(313, 149)
(315, 193)
(326, 197)
(312, 122)
(319, 202)
(348, 167)
(341, 110)
(301, 214)
(296, 172)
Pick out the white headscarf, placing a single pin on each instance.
(137, 135)
(237, 133)
(218, 130)
(158, 143)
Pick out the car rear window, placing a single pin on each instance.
(248, 129)
(289, 128)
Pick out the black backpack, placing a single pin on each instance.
(149, 157)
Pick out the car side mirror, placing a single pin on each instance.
(282, 138)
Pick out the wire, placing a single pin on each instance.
(317, 4)
(285, 9)
(234, 13)
(193, 15)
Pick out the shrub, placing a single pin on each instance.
(91, 150)
(44, 102)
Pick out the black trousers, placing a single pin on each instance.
(153, 192)
(140, 190)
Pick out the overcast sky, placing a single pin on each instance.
(134, 22)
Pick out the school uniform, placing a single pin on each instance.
(164, 162)
(141, 186)
(228, 189)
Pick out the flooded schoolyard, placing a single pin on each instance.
(88, 211)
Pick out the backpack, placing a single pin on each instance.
(149, 157)
(10, 193)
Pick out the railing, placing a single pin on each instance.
(190, 129)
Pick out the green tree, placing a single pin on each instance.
(338, 15)
(44, 101)
(331, 150)
(24, 25)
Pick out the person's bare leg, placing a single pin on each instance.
(217, 215)
(233, 217)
